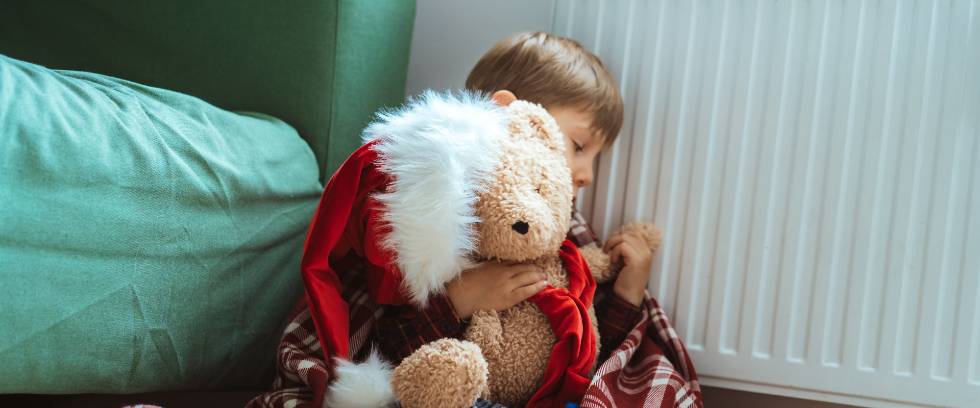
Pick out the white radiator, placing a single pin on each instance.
(816, 168)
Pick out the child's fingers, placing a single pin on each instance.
(526, 291)
(631, 234)
(637, 245)
(613, 241)
(626, 252)
(636, 241)
(526, 278)
(642, 241)
(615, 254)
(520, 268)
(630, 253)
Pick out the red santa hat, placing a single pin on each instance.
(403, 203)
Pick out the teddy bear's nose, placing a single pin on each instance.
(521, 227)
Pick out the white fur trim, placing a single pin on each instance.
(364, 385)
(439, 149)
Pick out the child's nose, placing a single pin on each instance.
(583, 178)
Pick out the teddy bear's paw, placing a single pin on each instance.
(444, 373)
(650, 233)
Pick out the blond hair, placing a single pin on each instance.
(553, 71)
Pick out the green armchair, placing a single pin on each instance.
(322, 67)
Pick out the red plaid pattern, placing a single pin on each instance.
(403, 329)
(651, 368)
(617, 318)
(300, 366)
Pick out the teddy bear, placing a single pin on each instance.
(524, 215)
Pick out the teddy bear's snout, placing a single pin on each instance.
(521, 227)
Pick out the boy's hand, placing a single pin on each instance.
(494, 285)
(630, 248)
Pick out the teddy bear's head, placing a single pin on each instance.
(525, 209)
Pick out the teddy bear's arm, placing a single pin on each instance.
(599, 263)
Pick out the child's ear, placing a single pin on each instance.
(503, 97)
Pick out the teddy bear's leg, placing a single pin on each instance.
(445, 373)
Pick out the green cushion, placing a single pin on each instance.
(148, 240)
(323, 66)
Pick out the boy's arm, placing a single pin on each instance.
(403, 329)
(616, 315)
(616, 318)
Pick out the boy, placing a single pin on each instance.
(578, 91)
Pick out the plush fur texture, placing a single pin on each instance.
(517, 342)
(531, 184)
(440, 149)
(444, 373)
(363, 385)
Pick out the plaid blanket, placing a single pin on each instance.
(651, 368)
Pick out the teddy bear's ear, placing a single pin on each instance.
(530, 120)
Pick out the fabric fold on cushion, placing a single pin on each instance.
(148, 240)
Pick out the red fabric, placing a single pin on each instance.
(617, 317)
(345, 231)
(651, 368)
(567, 374)
(346, 225)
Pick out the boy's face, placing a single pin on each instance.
(582, 144)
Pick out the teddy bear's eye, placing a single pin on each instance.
(537, 190)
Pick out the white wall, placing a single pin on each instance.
(451, 35)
